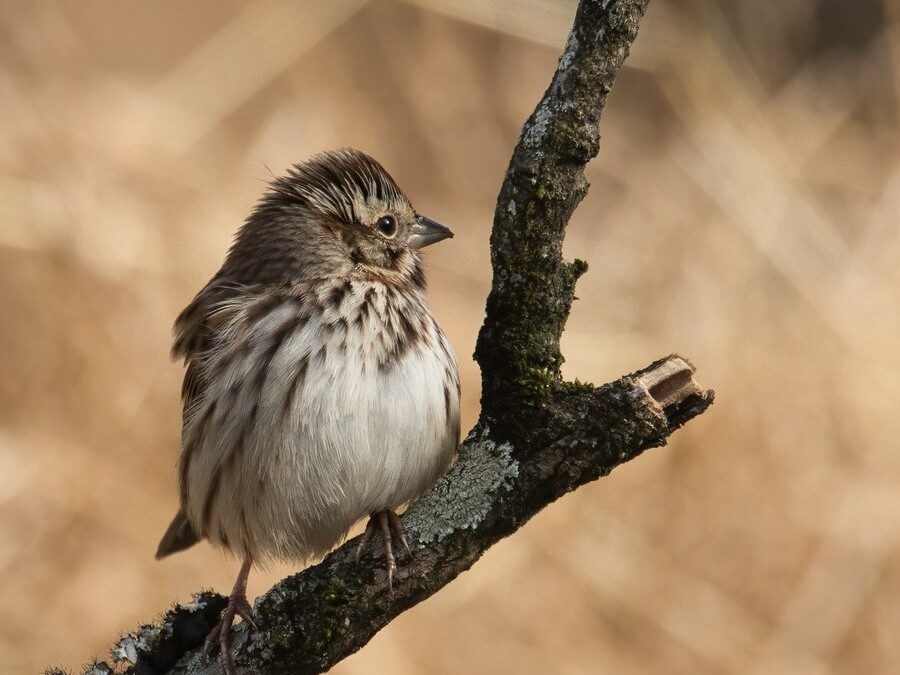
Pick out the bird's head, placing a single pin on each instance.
(338, 214)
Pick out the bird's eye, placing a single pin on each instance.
(387, 225)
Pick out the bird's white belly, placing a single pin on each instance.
(355, 437)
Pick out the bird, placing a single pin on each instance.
(319, 388)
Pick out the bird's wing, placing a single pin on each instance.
(193, 333)
(192, 339)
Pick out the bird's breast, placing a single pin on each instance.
(357, 411)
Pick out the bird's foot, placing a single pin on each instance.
(388, 523)
(238, 606)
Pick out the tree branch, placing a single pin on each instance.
(538, 437)
(533, 287)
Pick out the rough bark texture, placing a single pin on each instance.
(533, 287)
(538, 437)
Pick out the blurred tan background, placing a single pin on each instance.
(743, 212)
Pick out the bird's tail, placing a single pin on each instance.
(179, 536)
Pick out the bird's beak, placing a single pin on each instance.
(425, 232)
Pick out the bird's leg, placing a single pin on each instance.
(237, 606)
(389, 524)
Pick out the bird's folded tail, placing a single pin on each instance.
(179, 536)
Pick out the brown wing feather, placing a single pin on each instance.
(192, 338)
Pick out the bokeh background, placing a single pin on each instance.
(743, 213)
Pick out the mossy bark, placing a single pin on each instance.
(533, 287)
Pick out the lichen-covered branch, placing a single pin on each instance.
(538, 437)
(310, 621)
(533, 287)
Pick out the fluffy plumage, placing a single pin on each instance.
(319, 387)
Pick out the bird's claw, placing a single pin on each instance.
(390, 527)
(220, 635)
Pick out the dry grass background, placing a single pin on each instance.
(743, 212)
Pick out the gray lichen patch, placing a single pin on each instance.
(462, 498)
(126, 650)
(533, 136)
(568, 56)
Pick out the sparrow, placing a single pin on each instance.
(319, 388)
